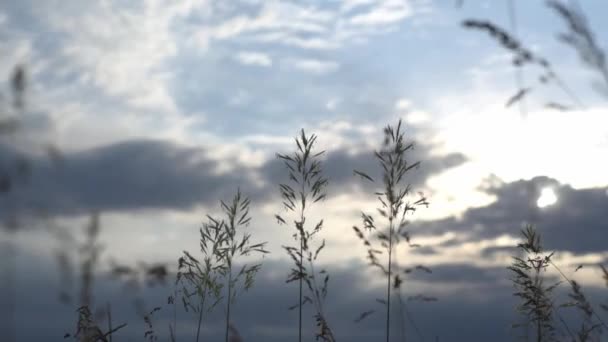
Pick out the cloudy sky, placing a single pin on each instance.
(160, 109)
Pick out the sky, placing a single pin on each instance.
(156, 110)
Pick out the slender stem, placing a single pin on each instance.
(174, 328)
(539, 331)
(568, 91)
(401, 316)
(519, 77)
(570, 282)
(109, 333)
(565, 326)
(200, 317)
(229, 299)
(300, 307)
(302, 237)
(388, 283)
(539, 334)
(405, 313)
(319, 301)
(413, 323)
(109, 320)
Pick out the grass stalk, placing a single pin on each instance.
(228, 301)
(305, 175)
(394, 206)
(200, 318)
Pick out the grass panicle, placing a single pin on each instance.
(582, 39)
(529, 282)
(200, 281)
(394, 206)
(306, 186)
(523, 56)
(221, 242)
(150, 333)
(236, 244)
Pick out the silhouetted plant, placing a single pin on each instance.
(150, 333)
(530, 285)
(15, 173)
(89, 252)
(306, 186)
(582, 39)
(589, 331)
(200, 281)
(523, 56)
(88, 331)
(591, 327)
(235, 245)
(394, 206)
(11, 171)
(220, 244)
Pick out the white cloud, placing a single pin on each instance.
(416, 117)
(307, 25)
(561, 145)
(386, 12)
(314, 66)
(254, 58)
(275, 16)
(122, 51)
(349, 5)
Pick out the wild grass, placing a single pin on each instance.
(528, 279)
(538, 300)
(394, 205)
(221, 243)
(205, 282)
(306, 186)
(578, 36)
(15, 173)
(87, 329)
(90, 315)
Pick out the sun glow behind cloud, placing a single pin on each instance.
(547, 198)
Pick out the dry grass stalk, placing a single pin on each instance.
(88, 331)
(530, 286)
(237, 245)
(199, 281)
(221, 243)
(394, 206)
(582, 39)
(306, 186)
(522, 56)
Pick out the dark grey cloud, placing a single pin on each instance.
(154, 174)
(261, 314)
(464, 273)
(338, 167)
(424, 250)
(576, 223)
(125, 176)
(483, 309)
